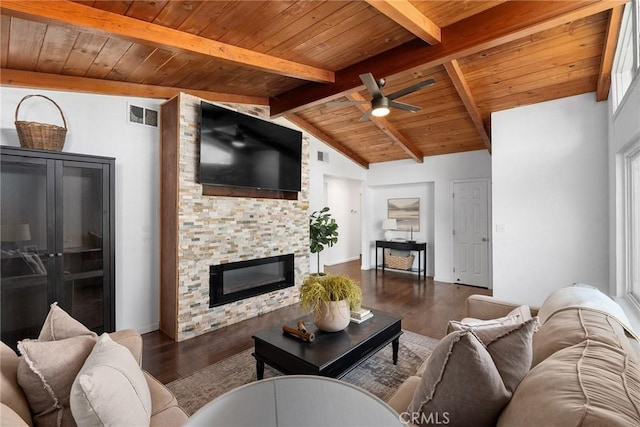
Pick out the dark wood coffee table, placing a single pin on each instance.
(332, 354)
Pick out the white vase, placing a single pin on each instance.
(332, 316)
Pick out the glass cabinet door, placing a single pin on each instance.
(27, 260)
(84, 221)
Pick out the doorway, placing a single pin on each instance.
(471, 233)
(343, 197)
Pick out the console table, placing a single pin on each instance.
(421, 248)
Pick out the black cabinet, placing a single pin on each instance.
(57, 236)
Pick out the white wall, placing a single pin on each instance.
(98, 125)
(343, 197)
(423, 191)
(338, 167)
(440, 171)
(550, 196)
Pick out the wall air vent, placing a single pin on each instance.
(323, 156)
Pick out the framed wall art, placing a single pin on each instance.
(406, 212)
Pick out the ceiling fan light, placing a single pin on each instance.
(380, 111)
(379, 107)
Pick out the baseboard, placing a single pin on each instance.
(443, 279)
(343, 260)
(148, 328)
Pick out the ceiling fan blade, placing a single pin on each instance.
(408, 90)
(366, 116)
(371, 84)
(343, 103)
(403, 106)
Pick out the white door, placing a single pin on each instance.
(471, 233)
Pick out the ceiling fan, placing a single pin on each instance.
(381, 103)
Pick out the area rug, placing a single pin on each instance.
(378, 374)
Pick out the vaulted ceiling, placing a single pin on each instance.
(295, 56)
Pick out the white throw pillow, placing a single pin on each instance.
(110, 389)
(516, 316)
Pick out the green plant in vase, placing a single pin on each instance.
(323, 232)
(331, 298)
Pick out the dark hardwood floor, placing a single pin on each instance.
(425, 306)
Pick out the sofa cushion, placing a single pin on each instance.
(9, 417)
(573, 325)
(161, 397)
(46, 372)
(59, 325)
(10, 391)
(588, 384)
(110, 389)
(584, 297)
(402, 397)
(171, 416)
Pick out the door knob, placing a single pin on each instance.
(59, 254)
(484, 239)
(51, 255)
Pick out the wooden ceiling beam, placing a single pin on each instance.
(608, 52)
(460, 83)
(330, 141)
(409, 17)
(389, 129)
(501, 24)
(32, 79)
(79, 16)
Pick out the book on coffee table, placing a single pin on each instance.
(363, 318)
(360, 313)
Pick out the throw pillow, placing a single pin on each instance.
(511, 350)
(110, 389)
(472, 373)
(46, 372)
(517, 315)
(460, 384)
(60, 325)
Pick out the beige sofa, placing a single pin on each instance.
(15, 409)
(585, 368)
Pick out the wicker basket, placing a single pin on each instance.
(399, 262)
(41, 136)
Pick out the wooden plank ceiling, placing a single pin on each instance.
(295, 56)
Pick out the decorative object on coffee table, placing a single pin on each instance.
(300, 333)
(323, 231)
(331, 298)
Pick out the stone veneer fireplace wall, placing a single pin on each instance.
(216, 230)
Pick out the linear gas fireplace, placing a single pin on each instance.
(239, 280)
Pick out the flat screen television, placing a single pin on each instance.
(238, 150)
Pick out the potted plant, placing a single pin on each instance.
(331, 298)
(323, 231)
